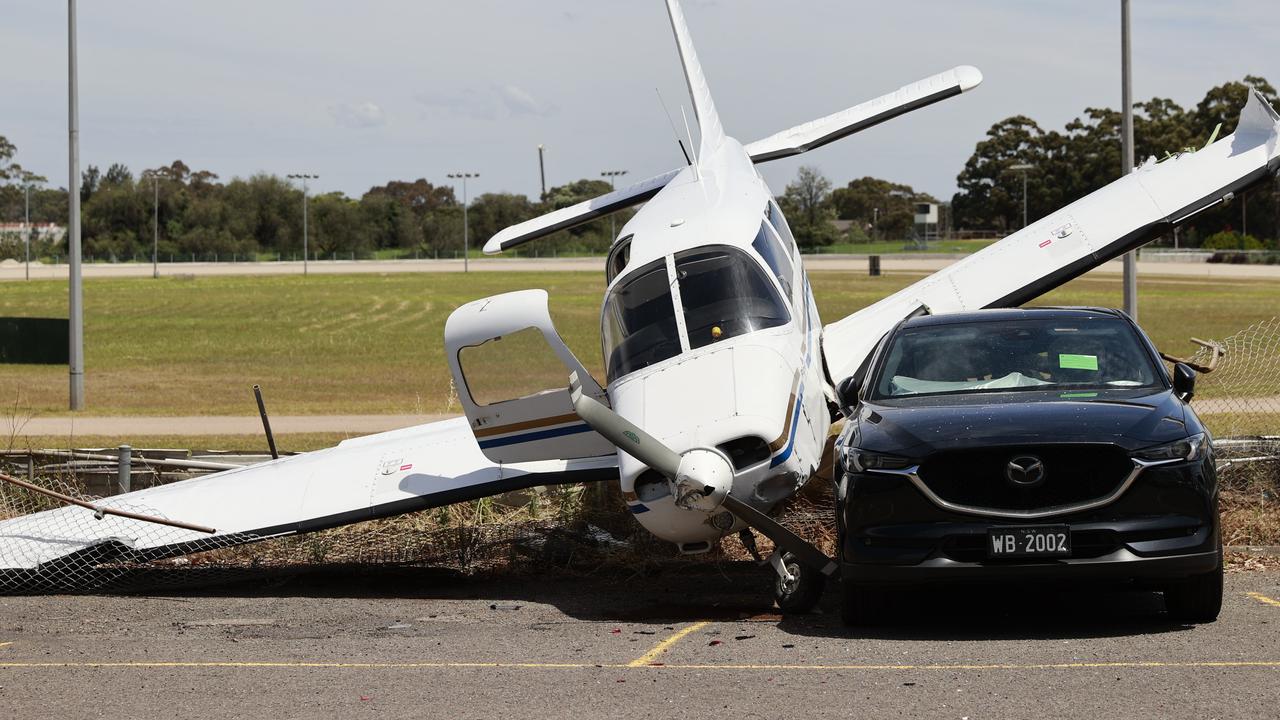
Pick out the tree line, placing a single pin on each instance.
(200, 215)
(1065, 165)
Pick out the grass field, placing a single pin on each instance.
(885, 247)
(372, 344)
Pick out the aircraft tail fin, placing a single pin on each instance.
(704, 107)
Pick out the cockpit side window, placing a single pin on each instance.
(619, 256)
(778, 260)
(725, 293)
(639, 327)
(779, 224)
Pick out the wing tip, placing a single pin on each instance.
(969, 77)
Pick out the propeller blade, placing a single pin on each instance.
(652, 452)
(624, 433)
(782, 537)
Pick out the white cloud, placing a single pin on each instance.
(358, 116)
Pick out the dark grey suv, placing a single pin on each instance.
(1031, 445)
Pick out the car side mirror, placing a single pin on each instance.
(1184, 381)
(847, 393)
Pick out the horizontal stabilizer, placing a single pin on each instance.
(803, 138)
(575, 215)
(1126, 214)
(361, 479)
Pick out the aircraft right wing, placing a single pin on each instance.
(1105, 224)
(361, 479)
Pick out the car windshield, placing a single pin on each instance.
(639, 326)
(1072, 354)
(725, 294)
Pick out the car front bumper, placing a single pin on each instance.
(1163, 528)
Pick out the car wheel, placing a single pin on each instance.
(801, 594)
(1198, 600)
(861, 605)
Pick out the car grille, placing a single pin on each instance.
(1074, 474)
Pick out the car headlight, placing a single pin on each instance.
(1188, 448)
(861, 460)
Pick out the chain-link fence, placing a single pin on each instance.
(1239, 400)
(587, 527)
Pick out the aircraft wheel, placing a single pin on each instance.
(802, 593)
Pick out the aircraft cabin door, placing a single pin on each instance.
(511, 370)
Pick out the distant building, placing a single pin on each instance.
(43, 231)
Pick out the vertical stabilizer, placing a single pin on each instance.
(704, 107)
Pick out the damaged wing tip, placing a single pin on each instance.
(969, 77)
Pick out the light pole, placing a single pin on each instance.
(542, 171)
(304, 177)
(26, 220)
(466, 229)
(612, 175)
(75, 300)
(1126, 135)
(155, 221)
(1024, 167)
(875, 223)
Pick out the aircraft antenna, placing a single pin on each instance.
(690, 136)
(674, 132)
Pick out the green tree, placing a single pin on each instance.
(880, 205)
(809, 210)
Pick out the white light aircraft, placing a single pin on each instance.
(720, 380)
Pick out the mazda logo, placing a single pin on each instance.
(1025, 471)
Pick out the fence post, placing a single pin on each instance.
(125, 467)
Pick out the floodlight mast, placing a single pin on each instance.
(154, 177)
(1024, 167)
(75, 303)
(466, 230)
(304, 177)
(1126, 154)
(612, 175)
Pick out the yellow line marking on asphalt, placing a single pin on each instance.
(1263, 599)
(589, 666)
(665, 645)
(4, 645)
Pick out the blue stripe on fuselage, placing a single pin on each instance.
(539, 435)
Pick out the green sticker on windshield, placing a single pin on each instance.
(1079, 395)
(1078, 362)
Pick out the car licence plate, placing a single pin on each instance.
(1039, 541)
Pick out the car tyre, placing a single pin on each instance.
(861, 605)
(1198, 600)
(802, 594)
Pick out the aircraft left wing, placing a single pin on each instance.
(575, 215)
(360, 479)
(1122, 216)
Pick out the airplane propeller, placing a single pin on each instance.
(701, 478)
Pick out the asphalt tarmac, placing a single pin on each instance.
(698, 642)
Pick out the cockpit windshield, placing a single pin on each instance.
(640, 321)
(725, 294)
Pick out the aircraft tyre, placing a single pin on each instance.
(802, 594)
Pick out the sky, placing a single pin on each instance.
(364, 92)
